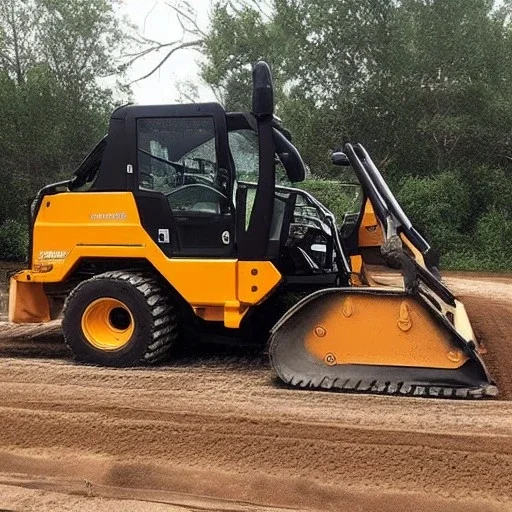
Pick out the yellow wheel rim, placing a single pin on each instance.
(108, 324)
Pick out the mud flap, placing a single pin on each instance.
(28, 303)
(376, 341)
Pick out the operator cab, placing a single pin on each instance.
(210, 184)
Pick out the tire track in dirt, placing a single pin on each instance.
(255, 432)
(212, 431)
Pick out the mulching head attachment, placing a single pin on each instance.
(379, 341)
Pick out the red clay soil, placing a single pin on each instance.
(213, 431)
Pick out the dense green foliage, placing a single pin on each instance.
(423, 84)
(53, 111)
(472, 226)
(13, 240)
(465, 212)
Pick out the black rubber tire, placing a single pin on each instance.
(154, 316)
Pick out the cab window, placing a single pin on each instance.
(177, 157)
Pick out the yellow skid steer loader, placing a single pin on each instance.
(175, 220)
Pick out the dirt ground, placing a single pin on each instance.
(213, 431)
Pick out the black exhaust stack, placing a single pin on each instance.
(258, 232)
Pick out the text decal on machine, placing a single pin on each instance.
(109, 216)
(53, 255)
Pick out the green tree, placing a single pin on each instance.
(379, 71)
(424, 84)
(52, 53)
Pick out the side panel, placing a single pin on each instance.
(370, 229)
(390, 330)
(73, 226)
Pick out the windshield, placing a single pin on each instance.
(245, 151)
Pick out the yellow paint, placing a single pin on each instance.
(381, 330)
(234, 311)
(370, 230)
(418, 256)
(102, 330)
(28, 303)
(255, 280)
(356, 264)
(107, 225)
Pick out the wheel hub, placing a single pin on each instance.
(108, 324)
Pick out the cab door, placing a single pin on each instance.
(183, 180)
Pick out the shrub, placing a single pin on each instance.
(465, 214)
(491, 189)
(439, 207)
(337, 197)
(493, 239)
(13, 240)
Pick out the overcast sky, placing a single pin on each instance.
(158, 22)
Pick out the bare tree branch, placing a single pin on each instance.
(140, 39)
(195, 45)
(147, 51)
(193, 22)
(192, 37)
(147, 16)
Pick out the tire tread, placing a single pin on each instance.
(164, 326)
